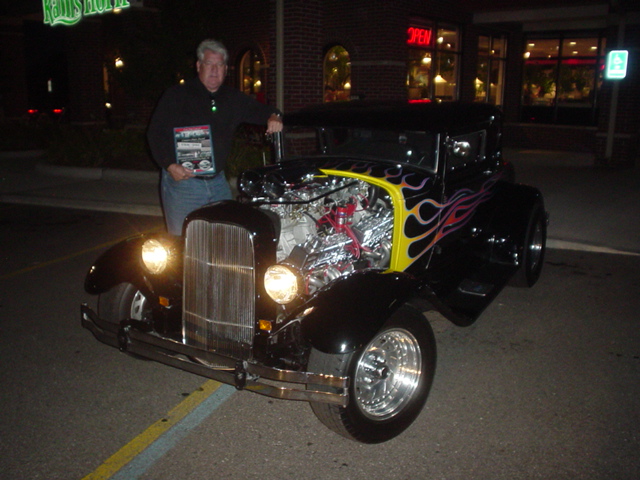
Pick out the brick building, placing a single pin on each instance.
(542, 62)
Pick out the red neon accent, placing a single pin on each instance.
(419, 36)
(578, 61)
(57, 111)
(32, 111)
(421, 100)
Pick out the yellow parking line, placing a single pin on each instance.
(151, 434)
(67, 257)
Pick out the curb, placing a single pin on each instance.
(94, 173)
(557, 244)
(20, 154)
(94, 205)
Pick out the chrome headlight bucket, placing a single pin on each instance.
(282, 284)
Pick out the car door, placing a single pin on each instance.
(468, 177)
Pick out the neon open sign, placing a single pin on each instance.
(419, 36)
(70, 12)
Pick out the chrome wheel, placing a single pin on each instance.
(533, 249)
(536, 245)
(122, 302)
(390, 379)
(387, 374)
(138, 304)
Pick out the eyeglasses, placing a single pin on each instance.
(213, 105)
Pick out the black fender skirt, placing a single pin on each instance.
(346, 316)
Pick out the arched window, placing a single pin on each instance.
(251, 75)
(337, 74)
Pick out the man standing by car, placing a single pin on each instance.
(193, 126)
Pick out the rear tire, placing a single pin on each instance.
(534, 248)
(390, 379)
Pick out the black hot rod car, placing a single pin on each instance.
(315, 283)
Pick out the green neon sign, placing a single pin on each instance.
(617, 62)
(70, 12)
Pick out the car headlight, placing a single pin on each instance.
(281, 284)
(155, 256)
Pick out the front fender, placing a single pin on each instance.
(120, 263)
(346, 316)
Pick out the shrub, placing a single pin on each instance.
(249, 150)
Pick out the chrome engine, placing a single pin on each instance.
(332, 226)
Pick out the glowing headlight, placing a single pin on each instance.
(155, 256)
(281, 284)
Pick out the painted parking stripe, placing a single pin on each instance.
(68, 257)
(141, 453)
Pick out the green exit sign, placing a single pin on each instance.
(616, 68)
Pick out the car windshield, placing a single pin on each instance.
(414, 147)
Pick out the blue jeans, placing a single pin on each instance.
(181, 198)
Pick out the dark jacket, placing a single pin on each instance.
(188, 105)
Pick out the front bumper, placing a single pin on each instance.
(284, 384)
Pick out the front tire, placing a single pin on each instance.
(124, 301)
(390, 379)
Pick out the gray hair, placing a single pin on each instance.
(215, 47)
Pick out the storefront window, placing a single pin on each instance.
(434, 59)
(492, 58)
(251, 81)
(561, 79)
(337, 75)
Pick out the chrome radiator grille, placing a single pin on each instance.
(218, 293)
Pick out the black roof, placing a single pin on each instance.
(445, 116)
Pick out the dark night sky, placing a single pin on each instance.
(20, 7)
(25, 7)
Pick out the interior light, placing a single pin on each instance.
(439, 79)
(119, 63)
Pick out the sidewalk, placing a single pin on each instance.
(123, 191)
(590, 208)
